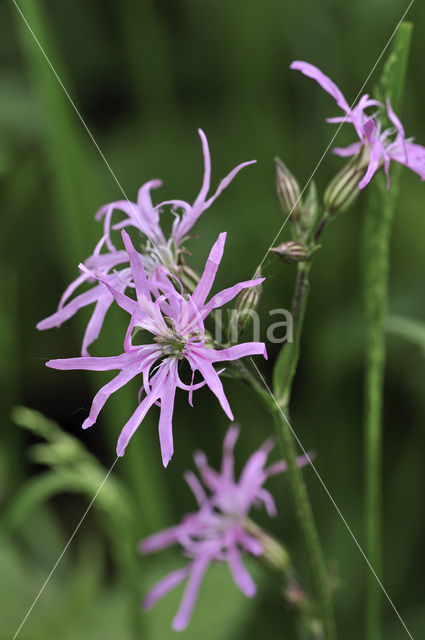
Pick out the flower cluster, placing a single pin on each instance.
(220, 530)
(381, 145)
(176, 324)
(174, 318)
(156, 249)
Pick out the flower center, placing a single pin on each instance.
(172, 344)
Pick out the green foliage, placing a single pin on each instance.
(410, 329)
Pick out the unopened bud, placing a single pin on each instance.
(310, 208)
(291, 252)
(274, 553)
(288, 191)
(246, 304)
(188, 276)
(344, 187)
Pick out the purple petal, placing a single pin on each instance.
(395, 120)
(227, 465)
(250, 544)
(166, 417)
(96, 322)
(410, 155)
(90, 363)
(138, 272)
(66, 312)
(122, 300)
(210, 477)
(197, 571)
(207, 279)
(73, 286)
(228, 294)
(137, 417)
(350, 150)
(160, 540)
(240, 574)
(164, 586)
(207, 170)
(235, 352)
(212, 379)
(195, 487)
(326, 83)
(253, 471)
(268, 501)
(108, 389)
(376, 154)
(227, 180)
(369, 129)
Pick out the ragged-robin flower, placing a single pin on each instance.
(220, 530)
(382, 145)
(176, 322)
(155, 247)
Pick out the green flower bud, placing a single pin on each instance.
(274, 553)
(310, 209)
(291, 252)
(246, 304)
(288, 191)
(344, 187)
(188, 276)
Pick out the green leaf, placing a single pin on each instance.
(410, 329)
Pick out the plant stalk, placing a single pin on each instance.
(377, 229)
(278, 405)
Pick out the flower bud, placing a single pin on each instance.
(310, 208)
(274, 553)
(291, 252)
(344, 187)
(246, 304)
(188, 277)
(288, 191)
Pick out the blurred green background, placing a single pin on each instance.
(145, 74)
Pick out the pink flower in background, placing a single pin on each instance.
(144, 216)
(176, 322)
(219, 530)
(382, 145)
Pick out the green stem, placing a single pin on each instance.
(284, 373)
(376, 239)
(288, 366)
(306, 522)
(287, 361)
(375, 261)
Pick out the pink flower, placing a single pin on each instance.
(382, 145)
(99, 295)
(144, 216)
(219, 529)
(176, 322)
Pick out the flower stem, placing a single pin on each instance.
(307, 524)
(284, 373)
